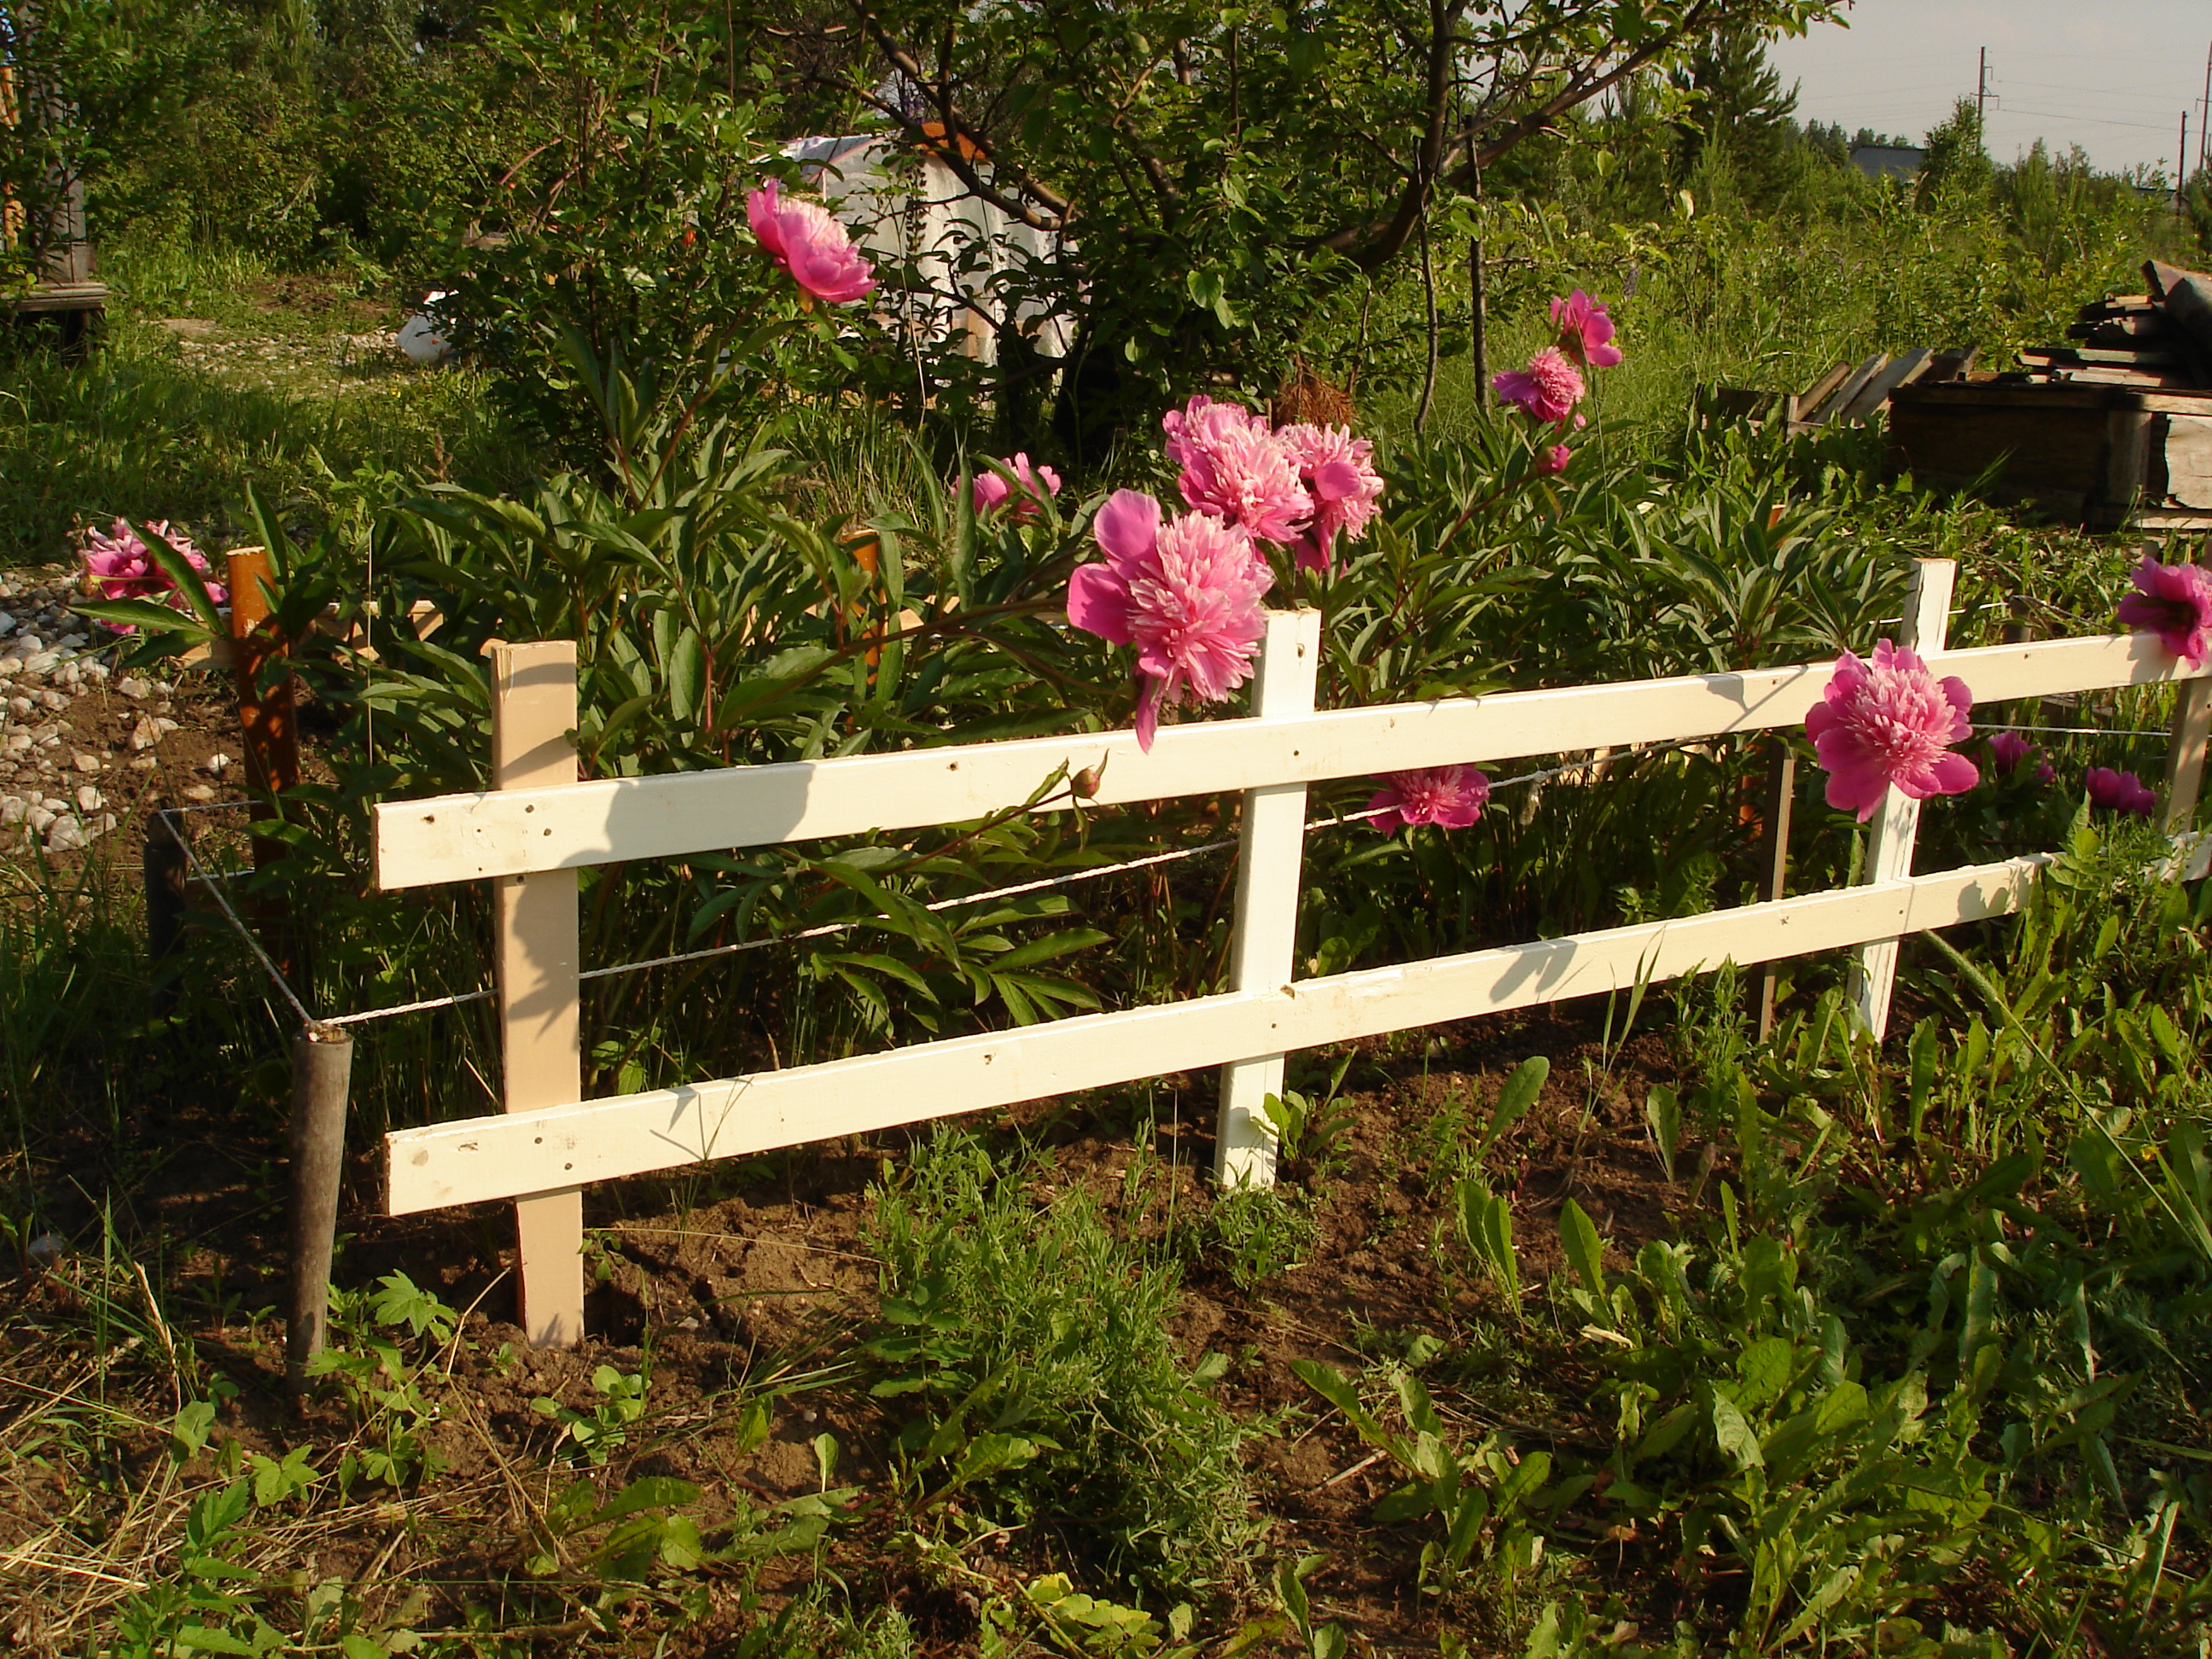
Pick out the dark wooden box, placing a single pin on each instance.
(2101, 456)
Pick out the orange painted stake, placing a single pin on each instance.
(266, 719)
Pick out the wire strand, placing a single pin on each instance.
(223, 899)
(963, 900)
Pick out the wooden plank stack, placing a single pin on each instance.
(2111, 430)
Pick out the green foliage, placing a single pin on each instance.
(1254, 1233)
(1482, 1496)
(603, 1429)
(1032, 1348)
(613, 206)
(382, 1361)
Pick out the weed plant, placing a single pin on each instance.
(1031, 1346)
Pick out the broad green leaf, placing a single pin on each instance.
(1732, 1431)
(1515, 1099)
(1584, 1251)
(687, 676)
(652, 1491)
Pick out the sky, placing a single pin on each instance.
(2111, 76)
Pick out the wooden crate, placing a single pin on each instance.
(2101, 456)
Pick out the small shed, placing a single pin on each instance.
(1902, 162)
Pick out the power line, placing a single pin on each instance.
(2094, 120)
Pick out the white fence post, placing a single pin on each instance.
(1926, 618)
(2185, 757)
(533, 710)
(1270, 855)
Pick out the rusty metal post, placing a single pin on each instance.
(322, 1069)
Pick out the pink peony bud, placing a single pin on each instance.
(991, 490)
(2119, 792)
(2009, 750)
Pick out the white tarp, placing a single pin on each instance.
(907, 206)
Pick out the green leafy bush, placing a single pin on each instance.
(1031, 1347)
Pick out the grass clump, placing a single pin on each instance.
(1034, 1345)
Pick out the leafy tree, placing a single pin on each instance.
(1212, 174)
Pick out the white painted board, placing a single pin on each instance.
(506, 832)
(493, 1157)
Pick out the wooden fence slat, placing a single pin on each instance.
(493, 1158)
(470, 838)
(1272, 852)
(533, 711)
(1897, 822)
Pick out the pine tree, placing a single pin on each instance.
(1739, 108)
(1956, 163)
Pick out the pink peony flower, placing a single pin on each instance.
(1585, 331)
(1553, 460)
(1338, 471)
(1549, 388)
(2119, 791)
(2009, 750)
(1234, 467)
(991, 490)
(807, 242)
(1887, 722)
(1186, 593)
(2173, 601)
(120, 566)
(1450, 797)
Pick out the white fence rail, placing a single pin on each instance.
(532, 832)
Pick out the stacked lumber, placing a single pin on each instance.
(1845, 396)
(2160, 340)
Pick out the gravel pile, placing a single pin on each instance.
(80, 742)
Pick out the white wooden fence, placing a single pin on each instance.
(536, 826)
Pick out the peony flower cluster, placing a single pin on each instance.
(1549, 389)
(118, 565)
(802, 238)
(990, 490)
(2173, 601)
(1187, 590)
(2119, 791)
(1450, 797)
(1297, 486)
(1890, 722)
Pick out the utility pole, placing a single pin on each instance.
(2181, 170)
(2204, 118)
(1982, 87)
